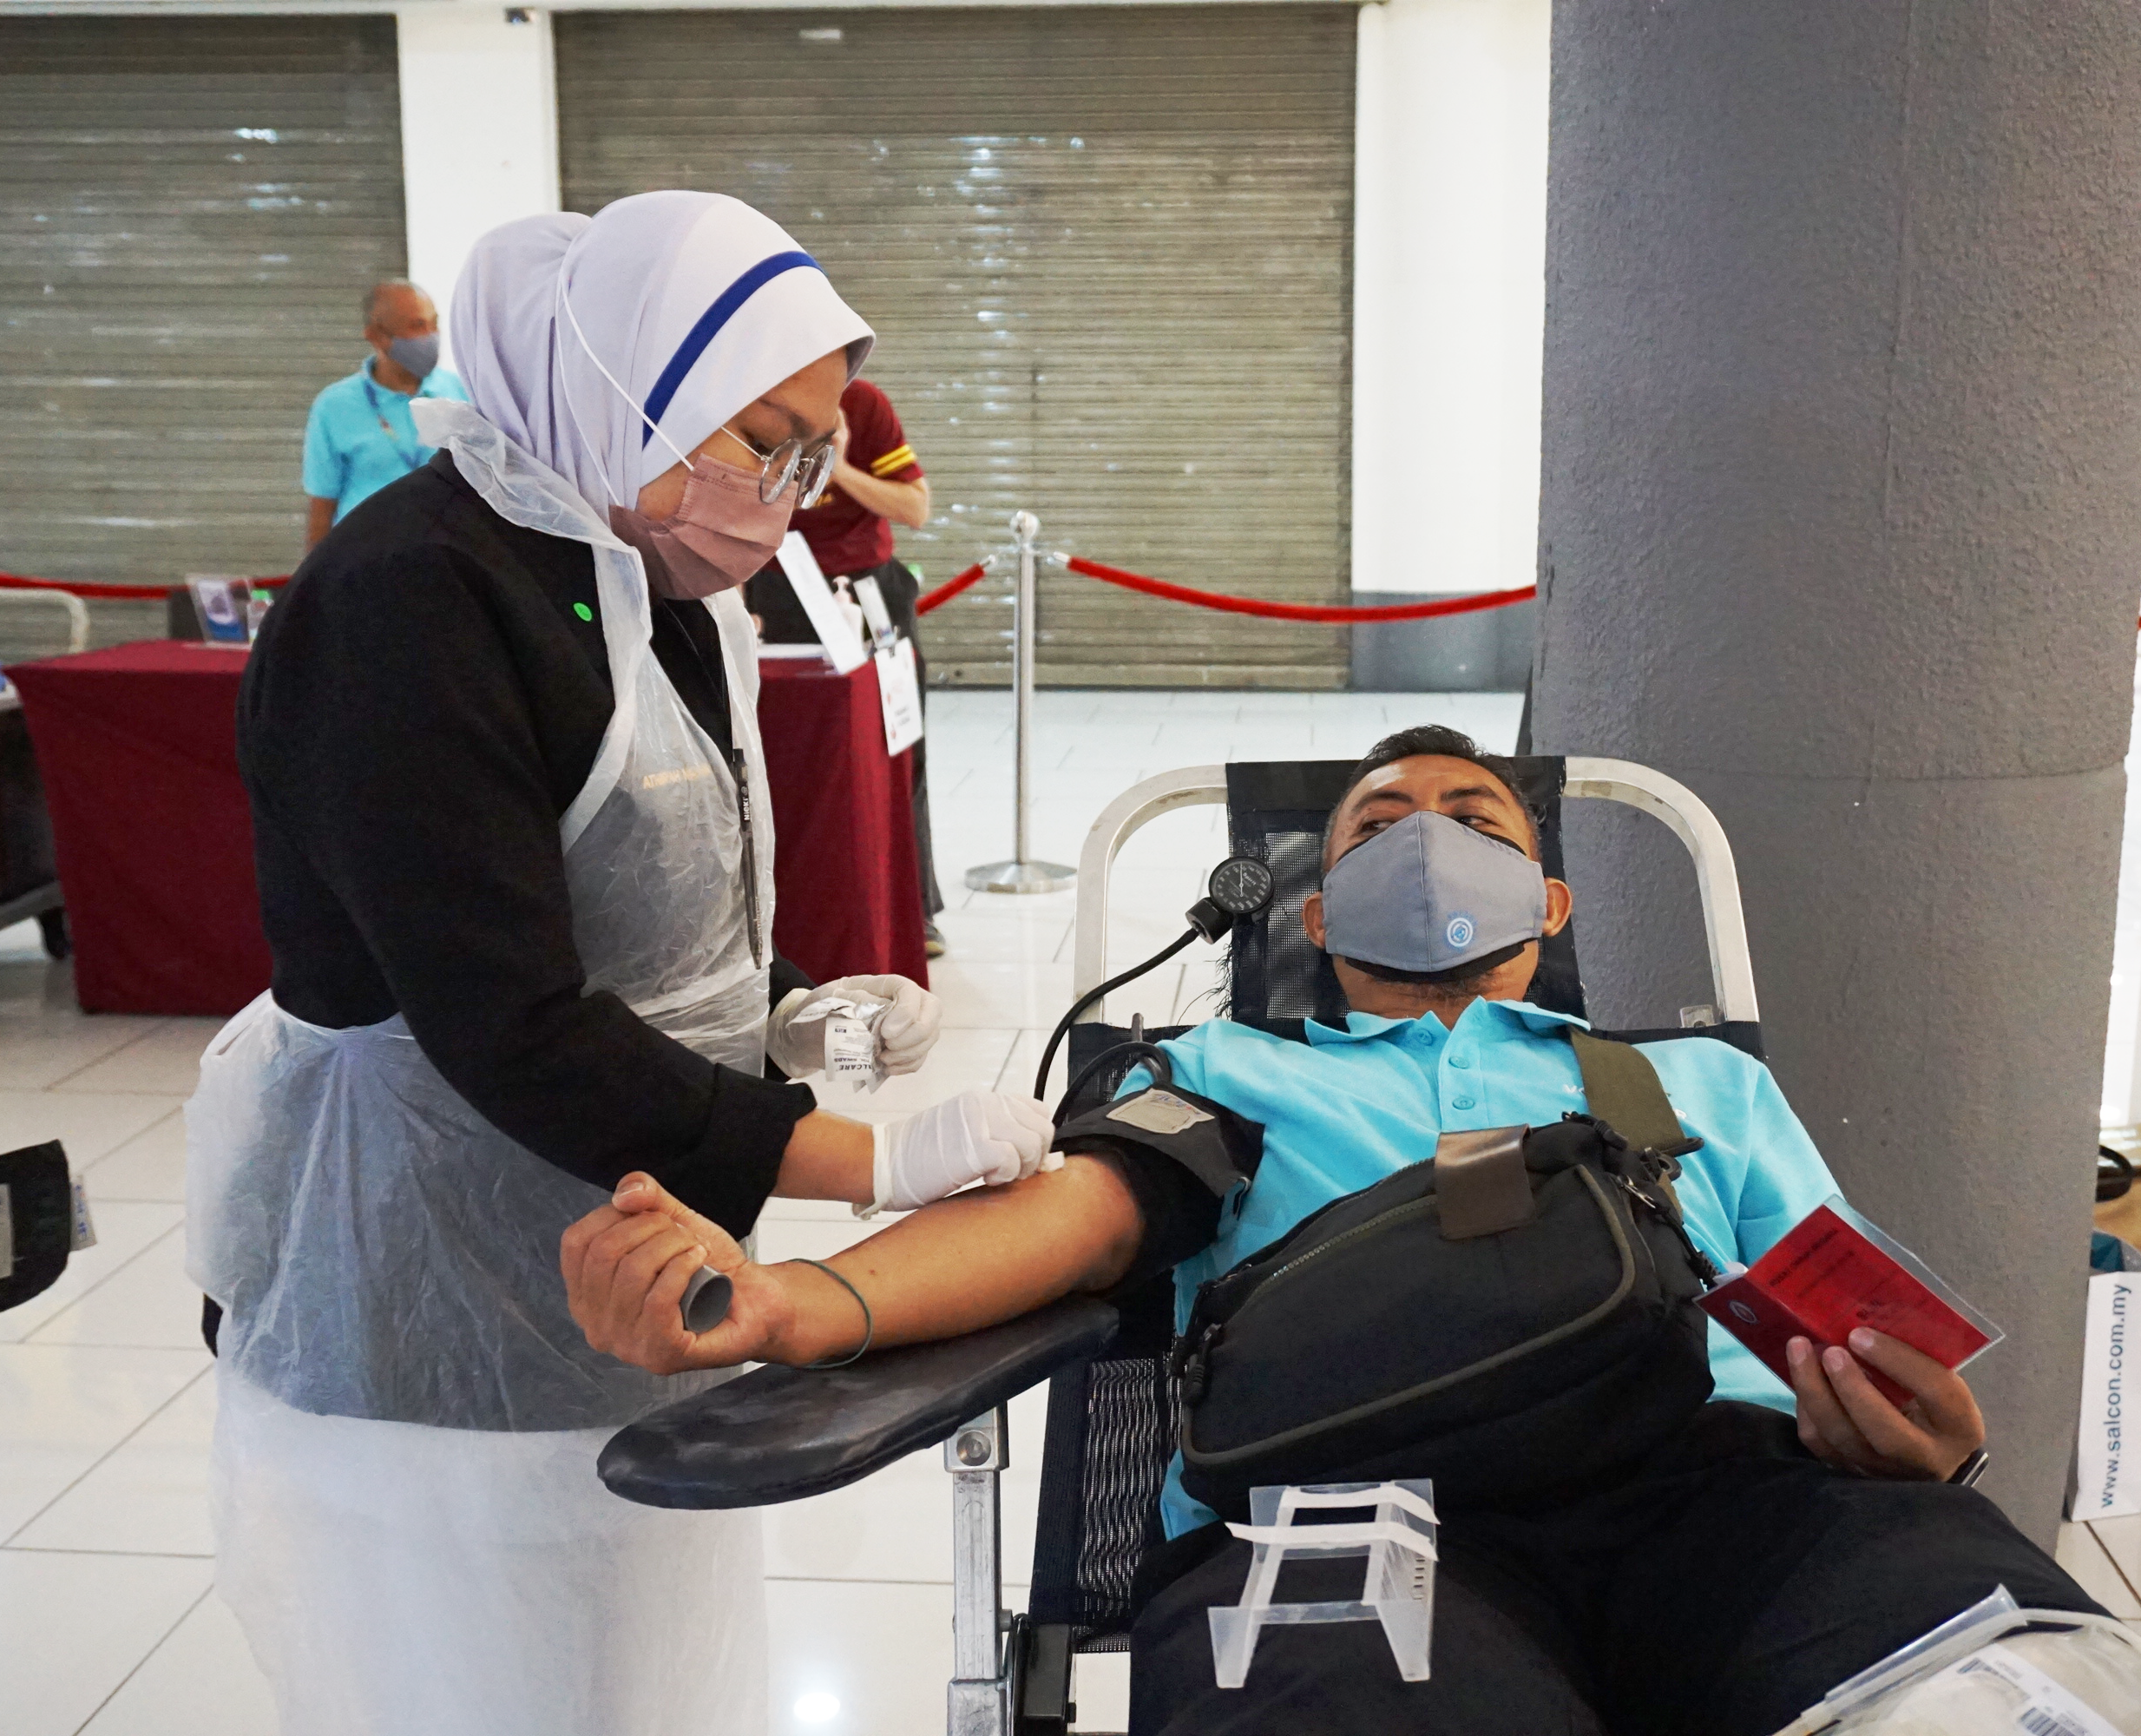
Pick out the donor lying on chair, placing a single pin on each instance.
(1697, 1557)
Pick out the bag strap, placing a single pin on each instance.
(1622, 1089)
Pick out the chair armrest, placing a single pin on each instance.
(778, 1434)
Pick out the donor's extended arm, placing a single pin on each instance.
(964, 1263)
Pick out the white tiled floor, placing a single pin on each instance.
(107, 1625)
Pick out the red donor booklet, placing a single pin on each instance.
(1834, 1272)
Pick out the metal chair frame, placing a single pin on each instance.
(67, 602)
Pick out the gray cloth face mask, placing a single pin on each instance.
(1429, 894)
(419, 355)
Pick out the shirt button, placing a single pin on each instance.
(1462, 1103)
(1460, 1060)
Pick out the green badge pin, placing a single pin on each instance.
(584, 611)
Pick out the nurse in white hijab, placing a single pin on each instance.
(679, 346)
(409, 1522)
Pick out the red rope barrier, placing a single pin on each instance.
(1297, 611)
(950, 588)
(96, 592)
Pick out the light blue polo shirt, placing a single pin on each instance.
(360, 436)
(1351, 1106)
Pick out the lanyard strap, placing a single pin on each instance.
(409, 460)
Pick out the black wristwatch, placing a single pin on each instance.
(1971, 1469)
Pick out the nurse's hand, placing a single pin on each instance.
(906, 1030)
(626, 1265)
(993, 1136)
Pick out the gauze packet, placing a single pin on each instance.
(850, 1038)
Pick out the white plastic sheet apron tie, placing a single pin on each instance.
(405, 1457)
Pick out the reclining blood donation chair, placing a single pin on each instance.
(778, 1434)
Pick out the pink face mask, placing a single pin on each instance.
(720, 534)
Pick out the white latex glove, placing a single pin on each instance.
(796, 1049)
(906, 1030)
(988, 1136)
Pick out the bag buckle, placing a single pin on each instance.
(1188, 1361)
(1705, 1268)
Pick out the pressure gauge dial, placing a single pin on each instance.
(1241, 886)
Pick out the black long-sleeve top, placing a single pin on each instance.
(423, 704)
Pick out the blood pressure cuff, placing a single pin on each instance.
(1179, 1154)
(37, 1220)
(1209, 1140)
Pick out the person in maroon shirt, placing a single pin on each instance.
(876, 482)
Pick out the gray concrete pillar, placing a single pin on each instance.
(1842, 512)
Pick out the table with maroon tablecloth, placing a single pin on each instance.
(847, 882)
(138, 748)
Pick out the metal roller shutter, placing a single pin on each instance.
(1107, 253)
(190, 212)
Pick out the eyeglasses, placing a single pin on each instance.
(811, 471)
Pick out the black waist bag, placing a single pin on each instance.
(1515, 1319)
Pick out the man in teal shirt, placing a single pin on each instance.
(1784, 1541)
(1351, 1106)
(360, 436)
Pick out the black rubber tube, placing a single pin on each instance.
(1154, 1057)
(1055, 1037)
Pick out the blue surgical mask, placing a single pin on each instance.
(1429, 894)
(419, 355)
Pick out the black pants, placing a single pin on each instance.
(772, 599)
(1722, 1594)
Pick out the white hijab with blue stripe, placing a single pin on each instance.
(685, 306)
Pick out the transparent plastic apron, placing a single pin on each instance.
(409, 1521)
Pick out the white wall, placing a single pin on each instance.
(479, 131)
(1449, 247)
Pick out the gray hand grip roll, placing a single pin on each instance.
(705, 1301)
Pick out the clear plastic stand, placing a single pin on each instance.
(1397, 1589)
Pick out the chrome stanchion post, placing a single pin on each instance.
(1021, 873)
(1026, 528)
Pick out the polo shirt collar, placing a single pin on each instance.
(365, 366)
(1488, 1019)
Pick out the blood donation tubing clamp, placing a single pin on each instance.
(1397, 1589)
